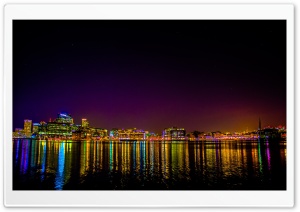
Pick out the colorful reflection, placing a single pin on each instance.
(16, 147)
(148, 165)
(59, 180)
(268, 155)
(42, 158)
(25, 147)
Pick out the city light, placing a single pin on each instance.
(63, 128)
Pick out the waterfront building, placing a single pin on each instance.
(132, 134)
(114, 133)
(98, 132)
(152, 136)
(82, 133)
(270, 134)
(61, 126)
(35, 127)
(42, 131)
(174, 133)
(58, 129)
(127, 134)
(84, 123)
(19, 133)
(27, 127)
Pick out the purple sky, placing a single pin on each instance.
(200, 75)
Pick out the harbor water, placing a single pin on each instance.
(148, 165)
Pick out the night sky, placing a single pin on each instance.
(151, 74)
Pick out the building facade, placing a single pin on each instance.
(174, 133)
(84, 123)
(62, 126)
(28, 127)
(128, 134)
(35, 127)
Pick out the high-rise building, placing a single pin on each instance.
(27, 127)
(85, 123)
(61, 126)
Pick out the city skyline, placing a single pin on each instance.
(203, 75)
(86, 124)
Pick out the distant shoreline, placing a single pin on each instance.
(157, 140)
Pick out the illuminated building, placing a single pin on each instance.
(35, 127)
(64, 118)
(19, 133)
(98, 132)
(89, 133)
(61, 126)
(114, 133)
(132, 134)
(174, 133)
(27, 127)
(152, 136)
(42, 128)
(128, 134)
(77, 135)
(84, 123)
(270, 134)
(58, 129)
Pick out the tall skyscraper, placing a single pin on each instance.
(85, 123)
(27, 127)
(259, 124)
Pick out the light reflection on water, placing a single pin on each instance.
(164, 165)
(59, 180)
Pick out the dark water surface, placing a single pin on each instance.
(148, 165)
